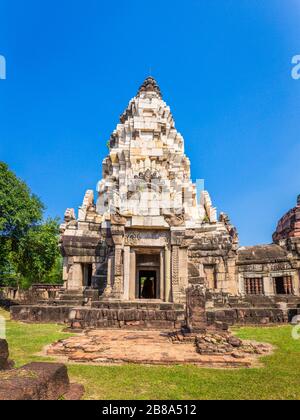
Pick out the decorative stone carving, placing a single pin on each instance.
(117, 219)
(132, 238)
(69, 215)
(175, 219)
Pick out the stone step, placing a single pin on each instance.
(71, 297)
(60, 302)
(138, 305)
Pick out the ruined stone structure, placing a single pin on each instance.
(150, 251)
(273, 269)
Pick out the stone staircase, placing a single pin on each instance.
(73, 298)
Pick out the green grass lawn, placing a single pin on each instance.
(278, 379)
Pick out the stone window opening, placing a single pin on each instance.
(254, 286)
(283, 285)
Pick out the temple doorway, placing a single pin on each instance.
(147, 284)
(148, 275)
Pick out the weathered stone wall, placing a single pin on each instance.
(109, 315)
(14, 295)
(39, 313)
(248, 316)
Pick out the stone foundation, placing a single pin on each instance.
(155, 348)
(251, 316)
(39, 313)
(110, 315)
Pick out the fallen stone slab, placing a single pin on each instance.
(38, 381)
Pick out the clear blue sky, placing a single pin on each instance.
(224, 67)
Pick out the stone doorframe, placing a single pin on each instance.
(131, 272)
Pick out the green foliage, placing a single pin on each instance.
(38, 252)
(19, 209)
(29, 250)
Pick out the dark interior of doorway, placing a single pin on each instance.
(147, 285)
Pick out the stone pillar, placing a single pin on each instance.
(66, 272)
(183, 274)
(126, 272)
(268, 286)
(108, 288)
(296, 284)
(167, 274)
(162, 275)
(132, 276)
(75, 277)
(175, 273)
(241, 284)
(232, 278)
(118, 285)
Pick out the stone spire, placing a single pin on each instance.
(147, 173)
(150, 85)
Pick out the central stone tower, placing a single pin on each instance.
(150, 234)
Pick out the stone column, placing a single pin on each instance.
(241, 285)
(167, 274)
(296, 284)
(268, 286)
(76, 277)
(126, 272)
(175, 273)
(162, 275)
(183, 274)
(66, 272)
(118, 285)
(110, 264)
(132, 277)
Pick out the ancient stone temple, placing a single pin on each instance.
(149, 250)
(149, 232)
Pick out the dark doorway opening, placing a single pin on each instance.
(283, 285)
(147, 284)
(88, 275)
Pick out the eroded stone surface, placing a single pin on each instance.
(5, 363)
(38, 381)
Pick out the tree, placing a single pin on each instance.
(19, 208)
(28, 247)
(38, 252)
